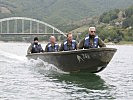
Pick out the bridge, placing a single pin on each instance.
(26, 26)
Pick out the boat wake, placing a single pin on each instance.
(45, 67)
(10, 58)
(37, 65)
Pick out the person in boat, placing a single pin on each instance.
(35, 47)
(91, 40)
(52, 46)
(69, 44)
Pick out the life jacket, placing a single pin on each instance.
(36, 48)
(51, 49)
(66, 45)
(87, 42)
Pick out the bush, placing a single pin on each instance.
(109, 16)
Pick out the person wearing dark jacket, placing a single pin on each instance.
(52, 46)
(91, 40)
(69, 44)
(35, 47)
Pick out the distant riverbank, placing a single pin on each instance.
(109, 43)
(120, 43)
(125, 42)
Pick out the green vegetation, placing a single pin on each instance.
(128, 22)
(115, 26)
(109, 16)
(60, 12)
(125, 42)
(117, 15)
(113, 34)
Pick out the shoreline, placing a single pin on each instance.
(125, 43)
(120, 43)
(109, 43)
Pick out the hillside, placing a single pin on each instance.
(115, 25)
(58, 12)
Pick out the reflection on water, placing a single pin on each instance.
(88, 85)
(84, 80)
(22, 79)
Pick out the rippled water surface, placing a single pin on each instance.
(22, 79)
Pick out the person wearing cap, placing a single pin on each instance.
(91, 40)
(52, 46)
(35, 47)
(69, 43)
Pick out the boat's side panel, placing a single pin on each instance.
(92, 61)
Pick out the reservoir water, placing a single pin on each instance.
(23, 79)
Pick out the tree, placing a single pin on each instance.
(109, 16)
(129, 11)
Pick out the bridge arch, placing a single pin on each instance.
(23, 19)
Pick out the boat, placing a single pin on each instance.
(91, 60)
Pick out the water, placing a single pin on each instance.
(22, 79)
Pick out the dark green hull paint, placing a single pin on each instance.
(91, 60)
